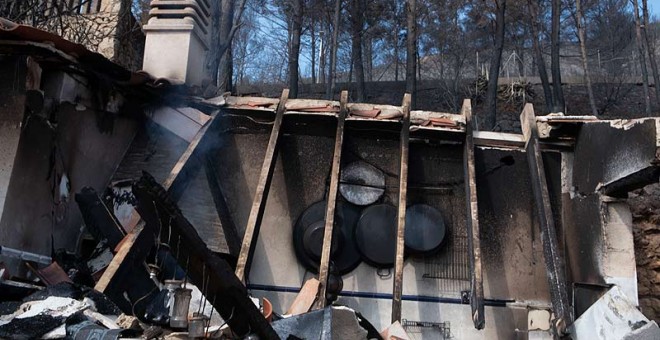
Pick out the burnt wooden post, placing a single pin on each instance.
(401, 213)
(261, 194)
(332, 202)
(554, 262)
(474, 244)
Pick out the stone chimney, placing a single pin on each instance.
(177, 40)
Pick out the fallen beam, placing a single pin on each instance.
(331, 203)
(132, 250)
(401, 212)
(261, 194)
(474, 243)
(554, 262)
(215, 277)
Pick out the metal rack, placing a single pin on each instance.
(450, 267)
(439, 330)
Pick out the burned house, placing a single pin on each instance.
(141, 184)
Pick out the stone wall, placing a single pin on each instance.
(645, 206)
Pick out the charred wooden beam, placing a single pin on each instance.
(99, 220)
(223, 289)
(261, 194)
(332, 202)
(554, 261)
(401, 213)
(474, 243)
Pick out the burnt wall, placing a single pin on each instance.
(70, 144)
(12, 106)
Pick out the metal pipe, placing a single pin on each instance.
(25, 256)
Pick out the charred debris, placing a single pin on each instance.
(135, 206)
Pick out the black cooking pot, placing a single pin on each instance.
(308, 237)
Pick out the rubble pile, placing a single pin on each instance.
(126, 287)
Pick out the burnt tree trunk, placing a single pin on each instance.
(225, 25)
(641, 46)
(538, 54)
(369, 57)
(322, 55)
(650, 48)
(294, 52)
(579, 20)
(494, 72)
(411, 50)
(558, 99)
(396, 55)
(330, 88)
(312, 33)
(357, 24)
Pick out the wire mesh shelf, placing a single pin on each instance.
(438, 330)
(451, 266)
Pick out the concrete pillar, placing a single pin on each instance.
(177, 40)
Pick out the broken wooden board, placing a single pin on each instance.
(305, 298)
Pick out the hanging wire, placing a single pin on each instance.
(178, 246)
(202, 290)
(206, 290)
(185, 278)
(208, 322)
(229, 319)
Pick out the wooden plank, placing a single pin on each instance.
(188, 164)
(261, 194)
(133, 248)
(474, 243)
(401, 213)
(222, 289)
(554, 262)
(332, 201)
(305, 298)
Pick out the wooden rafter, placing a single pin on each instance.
(261, 194)
(332, 201)
(401, 212)
(554, 262)
(474, 243)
